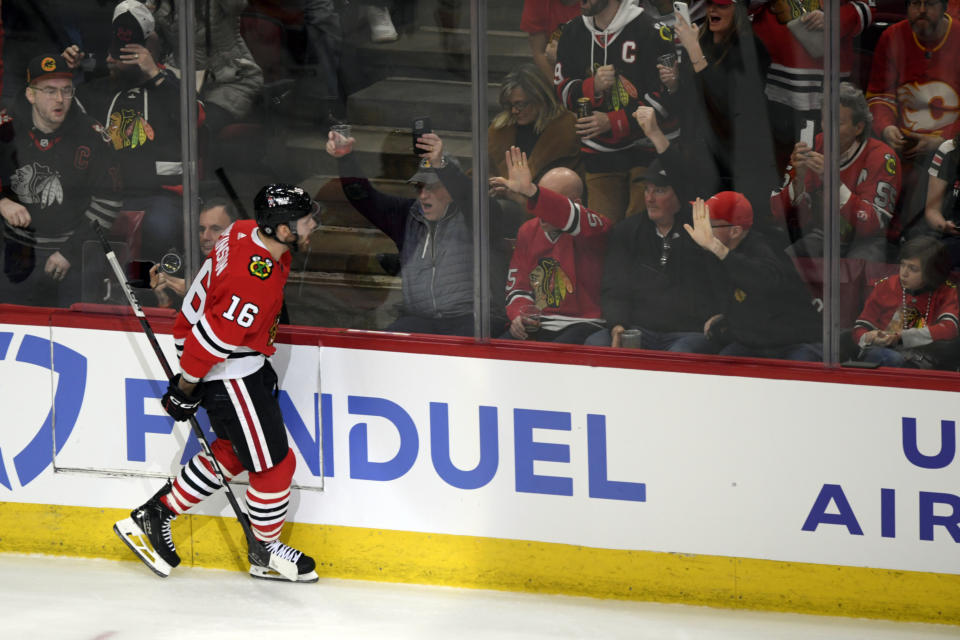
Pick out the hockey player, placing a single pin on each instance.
(56, 179)
(609, 58)
(558, 260)
(225, 331)
(869, 185)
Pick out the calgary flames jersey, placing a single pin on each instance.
(559, 273)
(914, 87)
(228, 321)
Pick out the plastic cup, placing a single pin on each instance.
(631, 339)
(341, 135)
(668, 60)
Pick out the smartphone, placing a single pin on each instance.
(420, 126)
(138, 273)
(681, 9)
(806, 133)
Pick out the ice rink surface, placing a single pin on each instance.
(80, 599)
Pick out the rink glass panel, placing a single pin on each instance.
(349, 277)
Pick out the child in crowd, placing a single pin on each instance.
(911, 319)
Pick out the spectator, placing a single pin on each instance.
(726, 122)
(558, 259)
(215, 217)
(942, 211)
(232, 80)
(767, 311)
(915, 75)
(794, 80)
(433, 232)
(609, 57)
(543, 21)
(57, 179)
(533, 120)
(911, 319)
(869, 185)
(140, 105)
(653, 276)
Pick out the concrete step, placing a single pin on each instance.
(444, 54)
(396, 101)
(345, 250)
(342, 300)
(501, 14)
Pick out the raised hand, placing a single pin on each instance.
(519, 179)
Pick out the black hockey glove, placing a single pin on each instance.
(177, 403)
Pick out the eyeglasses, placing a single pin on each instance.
(52, 92)
(720, 226)
(519, 105)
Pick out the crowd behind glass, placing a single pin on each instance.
(656, 168)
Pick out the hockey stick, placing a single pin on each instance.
(256, 552)
(232, 193)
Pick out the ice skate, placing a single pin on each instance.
(147, 533)
(277, 550)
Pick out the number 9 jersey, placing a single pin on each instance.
(228, 321)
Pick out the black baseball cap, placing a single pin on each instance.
(427, 174)
(48, 65)
(132, 24)
(657, 174)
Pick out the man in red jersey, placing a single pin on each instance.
(869, 185)
(224, 333)
(914, 95)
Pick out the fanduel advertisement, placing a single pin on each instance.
(607, 458)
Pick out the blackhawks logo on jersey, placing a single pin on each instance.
(549, 283)
(129, 130)
(260, 267)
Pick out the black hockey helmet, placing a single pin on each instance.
(278, 204)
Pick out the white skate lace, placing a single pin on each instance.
(281, 550)
(167, 534)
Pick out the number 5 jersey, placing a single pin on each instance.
(229, 318)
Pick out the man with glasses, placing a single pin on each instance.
(57, 179)
(914, 96)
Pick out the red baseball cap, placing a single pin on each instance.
(731, 207)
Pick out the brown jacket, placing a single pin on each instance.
(557, 146)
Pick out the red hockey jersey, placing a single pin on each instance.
(229, 317)
(912, 91)
(795, 78)
(869, 185)
(922, 318)
(559, 275)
